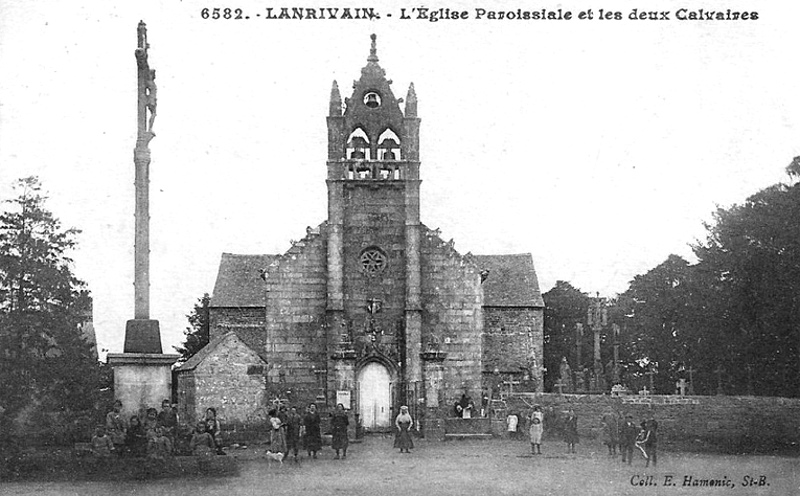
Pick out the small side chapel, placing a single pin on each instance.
(371, 308)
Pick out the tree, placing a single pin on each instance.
(197, 334)
(752, 259)
(735, 315)
(45, 358)
(658, 323)
(564, 307)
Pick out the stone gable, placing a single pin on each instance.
(227, 375)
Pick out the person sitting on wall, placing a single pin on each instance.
(151, 423)
(213, 427)
(168, 421)
(484, 403)
(102, 446)
(466, 406)
(159, 447)
(116, 426)
(135, 438)
(202, 443)
(457, 409)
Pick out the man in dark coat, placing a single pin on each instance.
(628, 438)
(293, 424)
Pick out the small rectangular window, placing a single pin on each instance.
(255, 369)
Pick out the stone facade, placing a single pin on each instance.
(371, 308)
(227, 375)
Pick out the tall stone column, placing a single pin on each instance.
(142, 374)
(413, 318)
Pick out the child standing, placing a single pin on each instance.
(571, 431)
(512, 420)
(536, 435)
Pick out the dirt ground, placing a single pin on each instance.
(488, 467)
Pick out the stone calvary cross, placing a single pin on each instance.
(142, 373)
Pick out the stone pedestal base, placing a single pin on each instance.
(142, 336)
(142, 380)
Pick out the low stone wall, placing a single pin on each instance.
(467, 426)
(738, 424)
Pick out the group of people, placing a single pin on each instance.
(625, 436)
(464, 407)
(628, 436)
(535, 420)
(289, 431)
(152, 433)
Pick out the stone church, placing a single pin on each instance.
(371, 308)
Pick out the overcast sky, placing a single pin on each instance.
(600, 147)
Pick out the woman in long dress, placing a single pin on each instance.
(277, 444)
(404, 423)
(339, 424)
(313, 437)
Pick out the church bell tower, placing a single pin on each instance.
(373, 252)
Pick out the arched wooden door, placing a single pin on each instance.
(375, 397)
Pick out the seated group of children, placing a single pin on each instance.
(153, 434)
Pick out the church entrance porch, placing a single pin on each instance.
(375, 397)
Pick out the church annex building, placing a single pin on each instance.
(371, 308)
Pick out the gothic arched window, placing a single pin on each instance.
(388, 145)
(358, 145)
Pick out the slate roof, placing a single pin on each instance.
(511, 282)
(206, 351)
(239, 283)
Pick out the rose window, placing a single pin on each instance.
(372, 260)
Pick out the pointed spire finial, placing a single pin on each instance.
(373, 50)
(335, 108)
(411, 102)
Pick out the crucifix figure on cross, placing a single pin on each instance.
(373, 307)
(690, 370)
(681, 386)
(651, 371)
